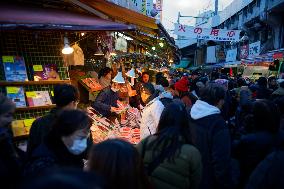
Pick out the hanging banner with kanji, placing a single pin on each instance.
(207, 33)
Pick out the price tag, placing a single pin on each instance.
(28, 122)
(12, 90)
(8, 59)
(38, 68)
(31, 94)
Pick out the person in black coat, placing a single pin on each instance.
(262, 92)
(252, 148)
(212, 138)
(269, 173)
(64, 146)
(10, 161)
(65, 97)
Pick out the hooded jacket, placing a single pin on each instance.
(213, 142)
(150, 117)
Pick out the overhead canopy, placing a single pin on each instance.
(122, 14)
(15, 17)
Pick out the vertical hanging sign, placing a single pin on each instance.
(144, 7)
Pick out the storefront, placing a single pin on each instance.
(33, 62)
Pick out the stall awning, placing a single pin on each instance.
(122, 14)
(12, 17)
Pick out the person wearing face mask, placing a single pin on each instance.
(106, 101)
(10, 162)
(65, 97)
(65, 145)
(105, 77)
(151, 112)
(212, 138)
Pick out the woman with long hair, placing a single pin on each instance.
(170, 158)
(119, 163)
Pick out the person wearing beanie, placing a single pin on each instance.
(182, 91)
(151, 112)
(182, 85)
(66, 97)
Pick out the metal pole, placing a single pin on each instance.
(178, 17)
(216, 7)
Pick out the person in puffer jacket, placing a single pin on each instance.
(212, 138)
(170, 159)
(151, 112)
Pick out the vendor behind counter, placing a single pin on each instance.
(106, 101)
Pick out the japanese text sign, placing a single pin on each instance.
(207, 33)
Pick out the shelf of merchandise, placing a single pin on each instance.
(25, 83)
(35, 108)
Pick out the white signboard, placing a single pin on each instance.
(159, 5)
(231, 55)
(211, 55)
(207, 33)
(254, 49)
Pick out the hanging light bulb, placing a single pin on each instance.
(67, 49)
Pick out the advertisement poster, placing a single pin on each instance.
(244, 52)
(231, 55)
(254, 49)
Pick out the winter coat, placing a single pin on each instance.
(269, 173)
(52, 154)
(10, 162)
(279, 91)
(39, 130)
(166, 98)
(104, 101)
(263, 93)
(183, 173)
(252, 149)
(214, 143)
(150, 117)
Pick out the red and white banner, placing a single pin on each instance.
(207, 33)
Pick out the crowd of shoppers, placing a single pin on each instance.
(199, 132)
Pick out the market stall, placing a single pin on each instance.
(50, 46)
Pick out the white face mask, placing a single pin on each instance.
(78, 146)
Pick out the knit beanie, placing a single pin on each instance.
(182, 85)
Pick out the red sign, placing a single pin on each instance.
(244, 52)
(278, 55)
